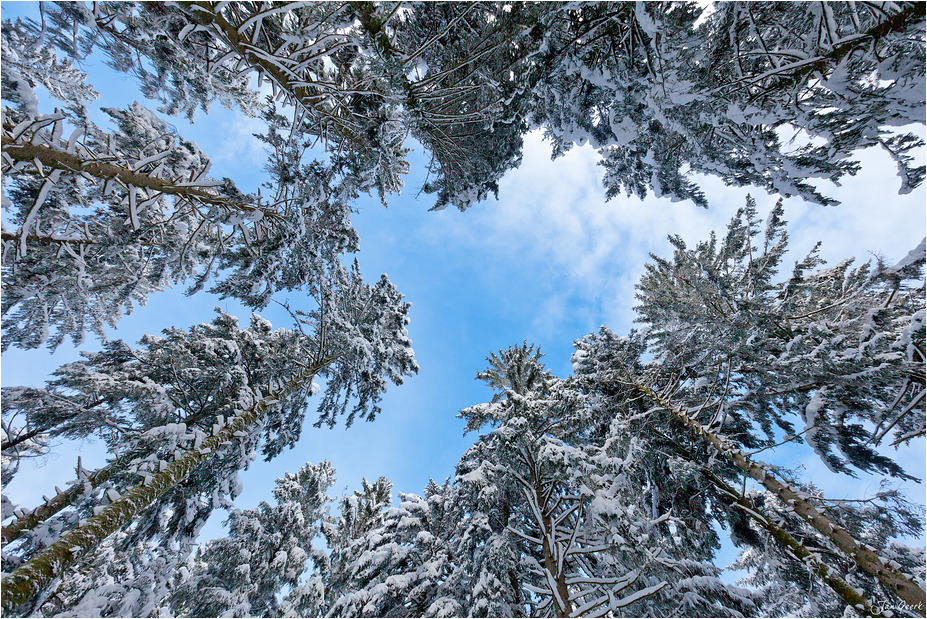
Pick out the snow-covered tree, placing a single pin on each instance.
(28, 63)
(661, 92)
(781, 353)
(685, 468)
(267, 549)
(656, 476)
(597, 494)
(129, 397)
(102, 219)
(362, 75)
(173, 62)
(399, 567)
(895, 577)
(360, 513)
(312, 227)
(357, 342)
(662, 97)
(790, 584)
(850, 73)
(739, 354)
(18, 444)
(569, 549)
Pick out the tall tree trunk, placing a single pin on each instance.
(798, 550)
(556, 579)
(27, 580)
(897, 582)
(49, 508)
(827, 574)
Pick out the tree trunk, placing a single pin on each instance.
(850, 595)
(533, 489)
(27, 580)
(899, 583)
(43, 512)
(556, 578)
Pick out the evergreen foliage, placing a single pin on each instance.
(781, 352)
(603, 493)
(267, 549)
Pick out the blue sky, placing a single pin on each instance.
(548, 262)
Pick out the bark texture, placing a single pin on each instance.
(896, 581)
(29, 579)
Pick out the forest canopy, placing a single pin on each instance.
(604, 492)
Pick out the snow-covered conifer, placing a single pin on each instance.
(267, 549)
(562, 554)
(360, 513)
(780, 353)
(662, 97)
(101, 220)
(400, 566)
(357, 341)
(790, 586)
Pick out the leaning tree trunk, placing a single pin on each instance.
(850, 595)
(66, 498)
(29, 579)
(798, 550)
(896, 581)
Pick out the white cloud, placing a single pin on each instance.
(240, 141)
(553, 217)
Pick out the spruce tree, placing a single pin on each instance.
(357, 341)
(780, 352)
(267, 548)
(570, 553)
(403, 562)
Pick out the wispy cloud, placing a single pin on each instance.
(553, 218)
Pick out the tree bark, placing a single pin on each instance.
(43, 512)
(850, 595)
(27, 580)
(897, 582)
(562, 598)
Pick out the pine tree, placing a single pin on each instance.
(136, 399)
(100, 219)
(362, 102)
(656, 477)
(738, 353)
(823, 58)
(358, 343)
(780, 353)
(689, 475)
(89, 244)
(789, 583)
(103, 219)
(267, 549)
(361, 513)
(173, 62)
(659, 96)
(889, 573)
